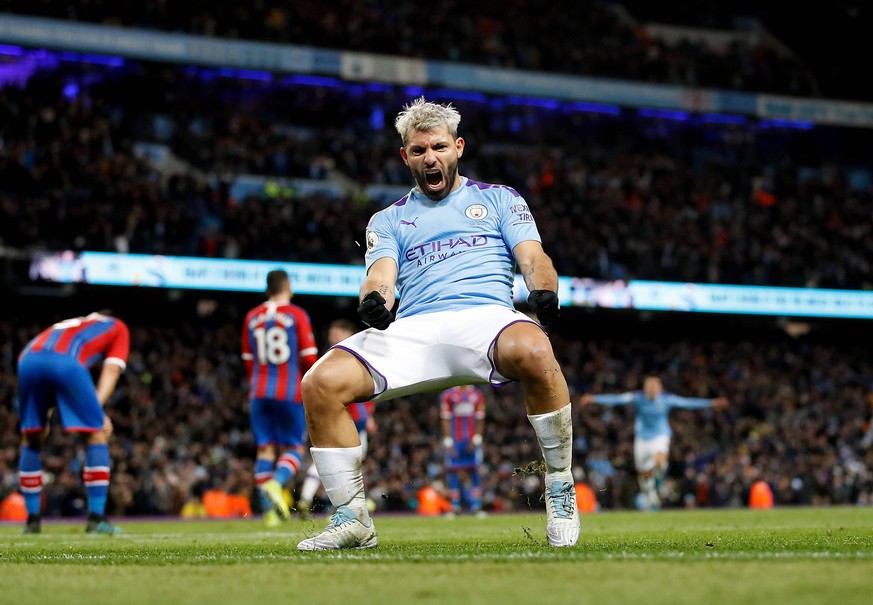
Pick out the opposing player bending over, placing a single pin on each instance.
(53, 371)
(450, 245)
(652, 430)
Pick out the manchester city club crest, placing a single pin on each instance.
(476, 212)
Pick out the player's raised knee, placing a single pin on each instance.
(524, 350)
(337, 375)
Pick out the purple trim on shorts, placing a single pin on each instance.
(493, 344)
(369, 367)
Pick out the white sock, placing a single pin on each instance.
(340, 471)
(555, 435)
(310, 485)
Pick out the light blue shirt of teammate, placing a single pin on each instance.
(652, 415)
(454, 253)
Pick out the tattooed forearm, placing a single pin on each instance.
(383, 290)
(528, 278)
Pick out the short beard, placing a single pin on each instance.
(451, 178)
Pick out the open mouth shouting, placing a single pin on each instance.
(434, 179)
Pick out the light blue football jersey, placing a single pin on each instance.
(454, 253)
(652, 415)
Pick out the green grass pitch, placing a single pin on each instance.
(796, 556)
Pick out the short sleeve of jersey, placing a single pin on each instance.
(246, 345)
(516, 220)
(446, 404)
(120, 348)
(480, 404)
(381, 242)
(305, 338)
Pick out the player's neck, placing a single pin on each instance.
(279, 300)
(459, 182)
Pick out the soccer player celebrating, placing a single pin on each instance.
(652, 429)
(53, 370)
(277, 347)
(462, 410)
(361, 413)
(450, 246)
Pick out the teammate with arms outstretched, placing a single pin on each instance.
(277, 347)
(652, 430)
(53, 371)
(450, 246)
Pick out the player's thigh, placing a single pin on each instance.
(261, 419)
(647, 452)
(35, 396)
(432, 351)
(77, 399)
(523, 349)
(289, 424)
(342, 372)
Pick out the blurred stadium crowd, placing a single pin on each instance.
(582, 38)
(623, 196)
(617, 194)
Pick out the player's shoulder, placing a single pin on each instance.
(491, 191)
(118, 325)
(387, 217)
(397, 207)
(293, 309)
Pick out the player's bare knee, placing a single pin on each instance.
(100, 437)
(535, 360)
(313, 386)
(325, 384)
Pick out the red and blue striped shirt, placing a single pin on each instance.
(462, 406)
(278, 347)
(89, 339)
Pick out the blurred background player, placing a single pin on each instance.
(278, 347)
(362, 414)
(53, 371)
(652, 430)
(462, 412)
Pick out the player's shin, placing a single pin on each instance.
(30, 479)
(96, 477)
(287, 465)
(554, 432)
(263, 473)
(341, 475)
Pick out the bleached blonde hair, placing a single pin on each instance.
(421, 114)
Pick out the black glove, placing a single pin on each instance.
(545, 305)
(373, 311)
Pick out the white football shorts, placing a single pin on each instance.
(434, 351)
(645, 450)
